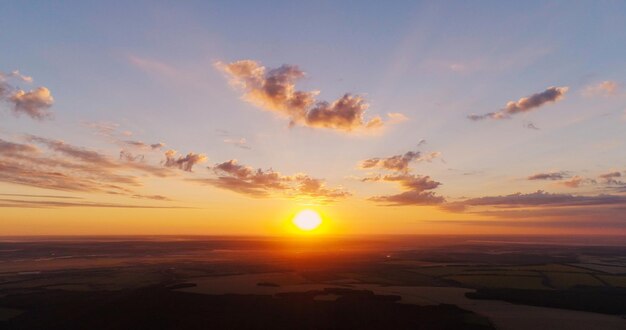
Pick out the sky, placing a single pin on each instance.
(229, 117)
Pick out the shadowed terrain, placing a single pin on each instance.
(332, 283)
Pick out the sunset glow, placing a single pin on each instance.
(218, 118)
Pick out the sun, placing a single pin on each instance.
(307, 220)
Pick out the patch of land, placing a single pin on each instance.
(474, 284)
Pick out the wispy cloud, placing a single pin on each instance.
(399, 163)
(525, 104)
(4, 203)
(611, 177)
(605, 88)
(239, 143)
(275, 90)
(548, 209)
(548, 176)
(62, 166)
(535, 199)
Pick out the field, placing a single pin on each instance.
(220, 275)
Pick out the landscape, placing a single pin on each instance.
(313, 165)
(409, 282)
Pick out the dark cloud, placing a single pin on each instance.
(264, 183)
(275, 90)
(548, 176)
(399, 163)
(525, 104)
(184, 163)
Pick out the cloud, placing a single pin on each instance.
(399, 163)
(239, 143)
(77, 153)
(184, 163)
(4, 203)
(417, 190)
(129, 157)
(65, 167)
(144, 146)
(605, 88)
(525, 104)
(107, 129)
(34, 103)
(275, 90)
(40, 196)
(548, 176)
(409, 198)
(396, 117)
(537, 199)
(548, 209)
(416, 187)
(265, 183)
(20, 76)
(575, 182)
(531, 125)
(611, 177)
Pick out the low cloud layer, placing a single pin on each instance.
(34, 103)
(525, 104)
(260, 183)
(275, 90)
